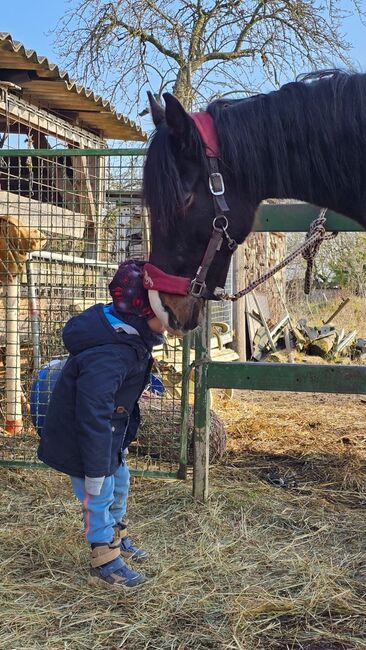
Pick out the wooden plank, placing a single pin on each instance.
(33, 116)
(306, 378)
(44, 216)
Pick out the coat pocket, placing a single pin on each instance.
(119, 423)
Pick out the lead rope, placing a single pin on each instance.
(314, 238)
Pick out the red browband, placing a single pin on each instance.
(157, 280)
(206, 128)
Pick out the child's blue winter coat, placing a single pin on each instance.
(93, 412)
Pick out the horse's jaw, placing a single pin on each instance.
(179, 314)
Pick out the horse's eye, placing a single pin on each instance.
(188, 200)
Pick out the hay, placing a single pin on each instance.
(159, 434)
(255, 568)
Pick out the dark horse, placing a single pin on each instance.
(306, 141)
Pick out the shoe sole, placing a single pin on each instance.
(138, 559)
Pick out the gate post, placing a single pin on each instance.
(184, 409)
(201, 432)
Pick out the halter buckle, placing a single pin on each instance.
(197, 288)
(216, 184)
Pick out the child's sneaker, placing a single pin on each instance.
(109, 570)
(128, 550)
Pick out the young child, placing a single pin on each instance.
(93, 416)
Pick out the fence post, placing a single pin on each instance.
(239, 325)
(201, 433)
(183, 456)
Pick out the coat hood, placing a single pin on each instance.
(91, 329)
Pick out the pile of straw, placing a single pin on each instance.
(257, 567)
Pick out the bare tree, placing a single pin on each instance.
(198, 49)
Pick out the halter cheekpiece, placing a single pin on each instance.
(156, 279)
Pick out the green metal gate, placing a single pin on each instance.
(295, 217)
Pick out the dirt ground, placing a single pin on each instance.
(274, 559)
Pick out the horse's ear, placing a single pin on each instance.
(157, 111)
(177, 118)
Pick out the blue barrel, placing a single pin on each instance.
(41, 390)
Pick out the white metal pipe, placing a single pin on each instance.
(71, 259)
(34, 316)
(13, 390)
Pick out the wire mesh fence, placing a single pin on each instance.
(68, 217)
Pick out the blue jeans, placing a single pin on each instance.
(104, 511)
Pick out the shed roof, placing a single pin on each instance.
(44, 84)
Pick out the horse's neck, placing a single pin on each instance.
(331, 175)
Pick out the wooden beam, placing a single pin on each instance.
(33, 116)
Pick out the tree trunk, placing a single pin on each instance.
(183, 88)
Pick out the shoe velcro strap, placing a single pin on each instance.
(103, 554)
(120, 533)
(111, 568)
(116, 542)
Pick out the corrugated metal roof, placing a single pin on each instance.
(46, 85)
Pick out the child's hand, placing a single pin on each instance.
(93, 486)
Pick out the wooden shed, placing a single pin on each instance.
(63, 196)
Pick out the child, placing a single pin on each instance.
(93, 416)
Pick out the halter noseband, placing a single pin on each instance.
(156, 279)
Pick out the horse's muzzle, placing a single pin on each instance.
(184, 312)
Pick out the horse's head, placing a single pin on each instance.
(183, 210)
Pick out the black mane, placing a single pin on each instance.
(306, 141)
(308, 138)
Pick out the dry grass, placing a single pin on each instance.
(257, 567)
(351, 317)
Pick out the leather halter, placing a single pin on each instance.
(154, 278)
(206, 128)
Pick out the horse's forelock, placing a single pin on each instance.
(163, 190)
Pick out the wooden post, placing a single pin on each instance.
(239, 277)
(183, 456)
(13, 423)
(201, 433)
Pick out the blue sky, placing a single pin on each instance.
(30, 22)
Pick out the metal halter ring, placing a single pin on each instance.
(220, 228)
